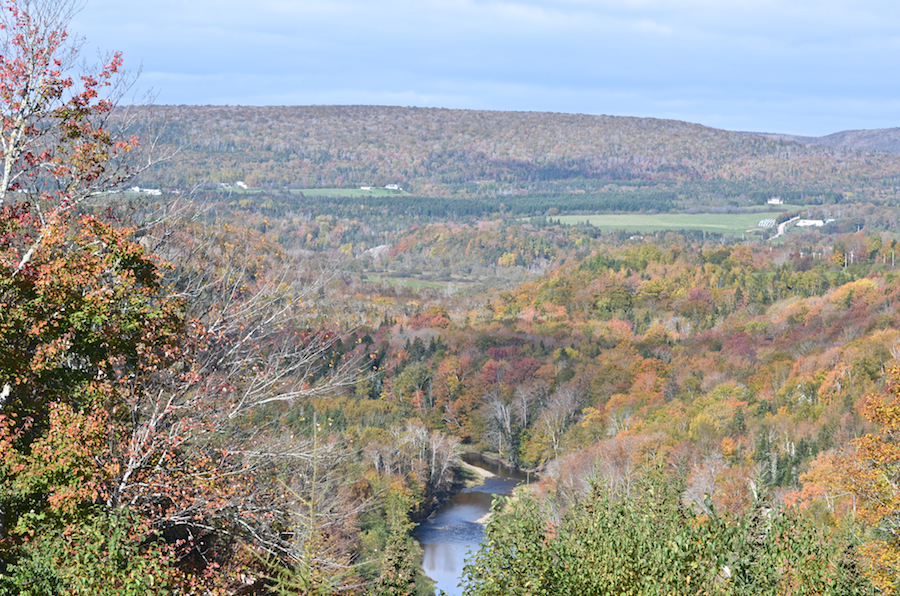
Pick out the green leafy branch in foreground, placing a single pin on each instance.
(651, 544)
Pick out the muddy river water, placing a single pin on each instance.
(453, 531)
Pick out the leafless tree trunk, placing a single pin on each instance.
(499, 417)
(558, 415)
(444, 451)
(527, 400)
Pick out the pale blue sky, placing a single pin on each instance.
(793, 66)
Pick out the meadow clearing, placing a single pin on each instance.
(351, 193)
(731, 224)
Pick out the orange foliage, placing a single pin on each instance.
(872, 475)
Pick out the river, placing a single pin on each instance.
(453, 531)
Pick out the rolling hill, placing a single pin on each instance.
(462, 152)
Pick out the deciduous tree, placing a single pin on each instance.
(872, 475)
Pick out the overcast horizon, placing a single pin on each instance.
(792, 67)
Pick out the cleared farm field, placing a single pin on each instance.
(351, 193)
(723, 223)
(415, 284)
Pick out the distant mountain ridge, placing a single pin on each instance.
(886, 140)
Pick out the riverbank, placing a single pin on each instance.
(492, 463)
(511, 500)
(476, 476)
(471, 476)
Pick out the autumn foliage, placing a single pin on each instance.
(256, 394)
(871, 474)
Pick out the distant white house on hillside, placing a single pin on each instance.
(392, 187)
(775, 201)
(147, 191)
(241, 184)
(810, 223)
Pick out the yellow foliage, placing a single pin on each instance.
(507, 260)
(872, 475)
(845, 294)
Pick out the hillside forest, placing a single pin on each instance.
(262, 388)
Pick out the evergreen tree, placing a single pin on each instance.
(398, 574)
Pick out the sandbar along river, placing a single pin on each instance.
(453, 531)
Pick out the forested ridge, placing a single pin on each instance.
(462, 152)
(230, 390)
(885, 139)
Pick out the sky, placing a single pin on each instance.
(807, 67)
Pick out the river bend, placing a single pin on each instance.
(453, 531)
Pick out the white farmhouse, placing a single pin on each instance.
(147, 191)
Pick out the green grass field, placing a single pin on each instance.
(351, 193)
(415, 284)
(724, 223)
